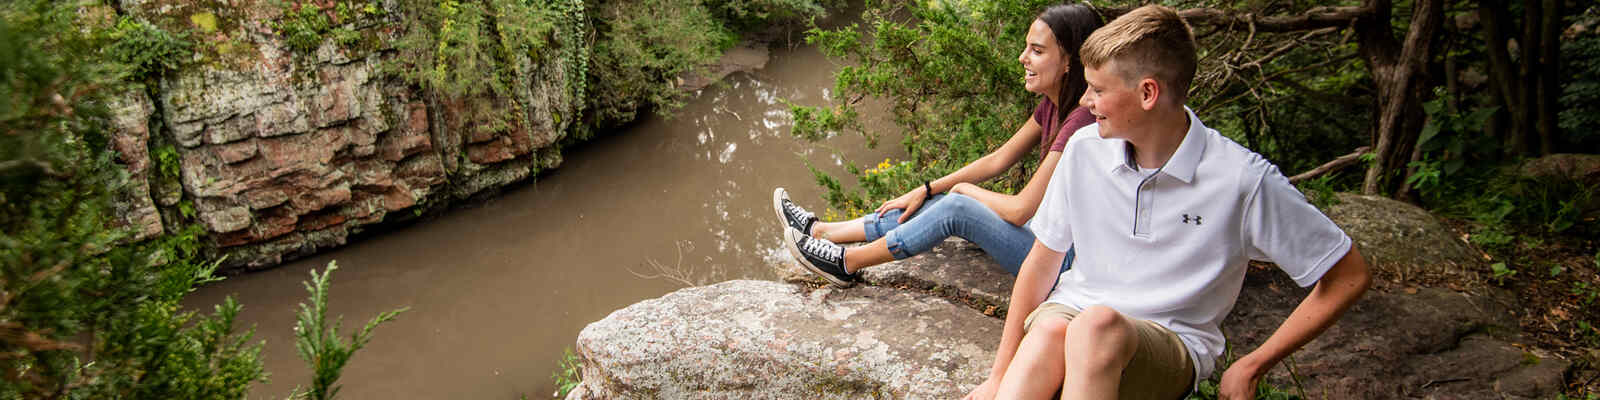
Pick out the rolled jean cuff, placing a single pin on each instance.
(869, 225)
(897, 248)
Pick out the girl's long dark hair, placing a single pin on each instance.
(1071, 24)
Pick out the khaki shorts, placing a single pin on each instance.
(1160, 369)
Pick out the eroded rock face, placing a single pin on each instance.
(284, 152)
(1396, 342)
(756, 339)
(134, 206)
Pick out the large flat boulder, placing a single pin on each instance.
(1403, 339)
(758, 339)
(957, 270)
(1401, 343)
(1405, 244)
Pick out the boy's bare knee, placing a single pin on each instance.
(1100, 338)
(1099, 323)
(1050, 327)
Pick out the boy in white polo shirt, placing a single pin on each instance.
(1165, 214)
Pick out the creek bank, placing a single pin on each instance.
(277, 152)
(1411, 336)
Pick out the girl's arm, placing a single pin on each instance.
(982, 169)
(1019, 208)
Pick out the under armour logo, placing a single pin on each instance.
(1187, 218)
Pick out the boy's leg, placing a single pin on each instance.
(1036, 370)
(1099, 345)
(1109, 355)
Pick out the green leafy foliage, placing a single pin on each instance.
(318, 342)
(950, 76)
(483, 53)
(755, 15)
(1586, 293)
(72, 289)
(1501, 272)
(568, 373)
(458, 47)
(304, 25)
(85, 313)
(148, 50)
(1449, 140)
(1586, 396)
(1208, 391)
(646, 47)
(1580, 86)
(1321, 191)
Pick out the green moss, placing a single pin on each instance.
(305, 26)
(212, 26)
(205, 21)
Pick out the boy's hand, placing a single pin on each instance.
(984, 391)
(1239, 381)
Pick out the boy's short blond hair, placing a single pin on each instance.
(1148, 41)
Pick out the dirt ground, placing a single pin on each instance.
(1557, 279)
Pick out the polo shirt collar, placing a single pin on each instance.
(1183, 162)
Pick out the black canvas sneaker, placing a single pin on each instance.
(791, 214)
(821, 256)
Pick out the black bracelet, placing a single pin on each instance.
(929, 187)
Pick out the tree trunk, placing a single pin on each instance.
(1527, 64)
(1397, 70)
(1503, 76)
(1547, 73)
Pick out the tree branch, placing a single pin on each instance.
(1315, 18)
(1337, 163)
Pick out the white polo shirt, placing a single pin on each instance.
(1172, 246)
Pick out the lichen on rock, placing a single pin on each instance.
(773, 340)
(925, 313)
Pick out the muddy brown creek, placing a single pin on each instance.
(496, 291)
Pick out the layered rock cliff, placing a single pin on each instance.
(278, 149)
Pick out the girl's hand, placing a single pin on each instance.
(909, 202)
(984, 391)
(963, 188)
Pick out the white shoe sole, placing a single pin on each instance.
(791, 240)
(778, 196)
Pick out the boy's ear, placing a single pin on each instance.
(1149, 93)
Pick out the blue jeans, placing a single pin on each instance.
(949, 215)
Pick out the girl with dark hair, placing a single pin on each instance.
(953, 205)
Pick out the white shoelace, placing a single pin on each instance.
(796, 212)
(827, 251)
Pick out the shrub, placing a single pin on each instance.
(72, 291)
(950, 76)
(1580, 87)
(481, 51)
(317, 338)
(644, 47)
(147, 50)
